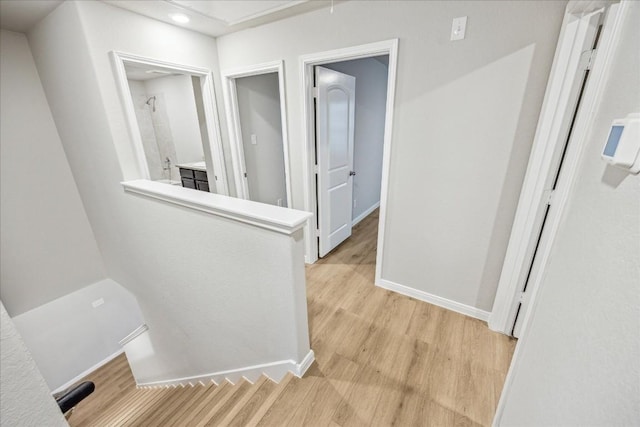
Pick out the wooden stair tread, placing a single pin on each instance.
(225, 405)
(210, 400)
(172, 404)
(189, 406)
(284, 407)
(249, 402)
(261, 410)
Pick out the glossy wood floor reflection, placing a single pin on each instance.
(382, 359)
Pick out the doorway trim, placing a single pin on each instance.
(307, 64)
(214, 155)
(547, 139)
(229, 89)
(611, 34)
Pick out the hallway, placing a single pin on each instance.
(381, 359)
(400, 361)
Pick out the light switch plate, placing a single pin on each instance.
(254, 139)
(458, 28)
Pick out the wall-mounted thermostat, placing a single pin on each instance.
(622, 148)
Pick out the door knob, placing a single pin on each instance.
(352, 173)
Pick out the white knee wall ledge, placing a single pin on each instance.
(274, 218)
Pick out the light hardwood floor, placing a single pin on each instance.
(382, 359)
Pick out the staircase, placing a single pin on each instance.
(118, 402)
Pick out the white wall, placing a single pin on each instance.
(371, 101)
(579, 361)
(180, 108)
(215, 294)
(47, 246)
(25, 397)
(465, 117)
(50, 259)
(259, 110)
(81, 336)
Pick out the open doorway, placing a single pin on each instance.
(347, 180)
(257, 121)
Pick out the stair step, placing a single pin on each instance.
(225, 405)
(270, 400)
(249, 400)
(285, 406)
(172, 404)
(128, 405)
(138, 414)
(191, 405)
(134, 397)
(219, 394)
(242, 404)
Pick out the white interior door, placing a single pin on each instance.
(335, 115)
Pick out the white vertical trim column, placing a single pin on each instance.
(547, 146)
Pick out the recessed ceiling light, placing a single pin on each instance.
(180, 18)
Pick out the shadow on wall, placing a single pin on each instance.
(511, 187)
(613, 176)
(476, 219)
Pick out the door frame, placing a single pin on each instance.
(609, 39)
(229, 89)
(214, 155)
(307, 64)
(548, 138)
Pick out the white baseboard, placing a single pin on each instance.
(365, 214)
(87, 372)
(274, 370)
(467, 310)
(302, 367)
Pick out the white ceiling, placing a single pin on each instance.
(235, 12)
(209, 17)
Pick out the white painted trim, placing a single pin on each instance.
(274, 218)
(82, 375)
(233, 119)
(365, 214)
(534, 195)
(274, 371)
(302, 367)
(133, 335)
(307, 62)
(600, 71)
(467, 310)
(265, 12)
(215, 154)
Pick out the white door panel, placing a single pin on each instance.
(335, 114)
(339, 177)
